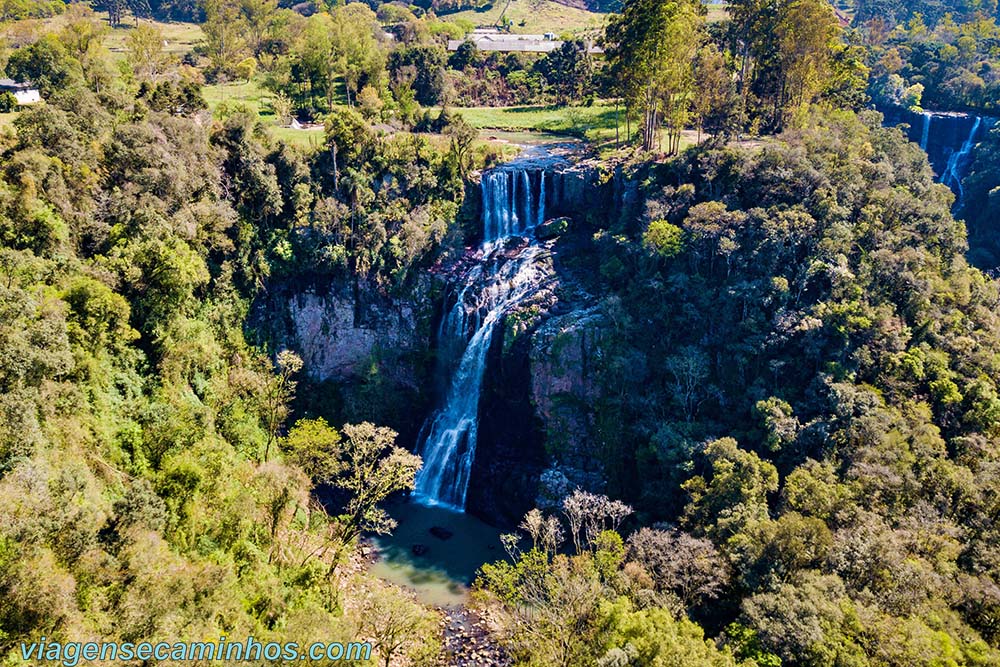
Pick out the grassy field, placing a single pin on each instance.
(248, 94)
(6, 120)
(304, 138)
(179, 37)
(717, 12)
(541, 16)
(534, 17)
(255, 99)
(594, 123)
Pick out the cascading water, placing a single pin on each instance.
(491, 289)
(952, 176)
(509, 203)
(948, 138)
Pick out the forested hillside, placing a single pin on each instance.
(896, 11)
(777, 370)
(939, 60)
(146, 488)
(799, 378)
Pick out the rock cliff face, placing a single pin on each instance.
(577, 193)
(365, 354)
(541, 380)
(334, 344)
(565, 353)
(511, 454)
(338, 331)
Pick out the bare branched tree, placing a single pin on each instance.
(679, 563)
(589, 514)
(545, 532)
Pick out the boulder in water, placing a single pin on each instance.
(441, 533)
(419, 549)
(550, 229)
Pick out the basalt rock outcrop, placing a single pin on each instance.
(338, 330)
(493, 348)
(948, 138)
(565, 385)
(350, 335)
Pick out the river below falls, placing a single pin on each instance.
(445, 568)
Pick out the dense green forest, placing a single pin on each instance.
(148, 486)
(804, 368)
(796, 400)
(944, 62)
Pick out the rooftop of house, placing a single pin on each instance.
(492, 40)
(10, 84)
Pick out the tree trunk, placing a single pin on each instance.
(628, 125)
(336, 173)
(616, 122)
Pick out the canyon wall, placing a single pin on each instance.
(535, 412)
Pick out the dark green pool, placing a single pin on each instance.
(442, 572)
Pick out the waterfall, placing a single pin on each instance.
(447, 442)
(949, 139)
(509, 204)
(541, 198)
(926, 132)
(952, 176)
(526, 189)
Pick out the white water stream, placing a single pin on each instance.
(513, 205)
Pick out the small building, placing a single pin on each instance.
(493, 40)
(24, 93)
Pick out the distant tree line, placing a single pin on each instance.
(938, 62)
(757, 72)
